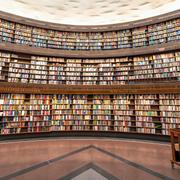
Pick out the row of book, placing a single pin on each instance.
(31, 129)
(92, 63)
(82, 99)
(143, 36)
(71, 71)
(71, 98)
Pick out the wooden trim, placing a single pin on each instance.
(148, 88)
(18, 48)
(98, 28)
(85, 134)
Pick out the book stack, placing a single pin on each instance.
(38, 70)
(6, 31)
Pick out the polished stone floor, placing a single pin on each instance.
(86, 159)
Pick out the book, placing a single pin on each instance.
(170, 112)
(4, 61)
(19, 71)
(6, 30)
(39, 37)
(23, 34)
(38, 70)
(139, 37)
(147, 114)
(73, 71)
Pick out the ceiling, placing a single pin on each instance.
(88, 12)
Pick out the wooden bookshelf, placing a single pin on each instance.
(107, 71)
(132, 109)
(19, 32)
(132, 87)
(28, 113)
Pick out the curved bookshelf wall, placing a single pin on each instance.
(25, 68)
(167, 30)
(62, 90)
(131, 113)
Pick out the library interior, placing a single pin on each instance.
(90, 90)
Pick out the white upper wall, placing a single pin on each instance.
(88, 12)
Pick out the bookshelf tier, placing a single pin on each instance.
(130, 35)
(141, 69)
(131, 113)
